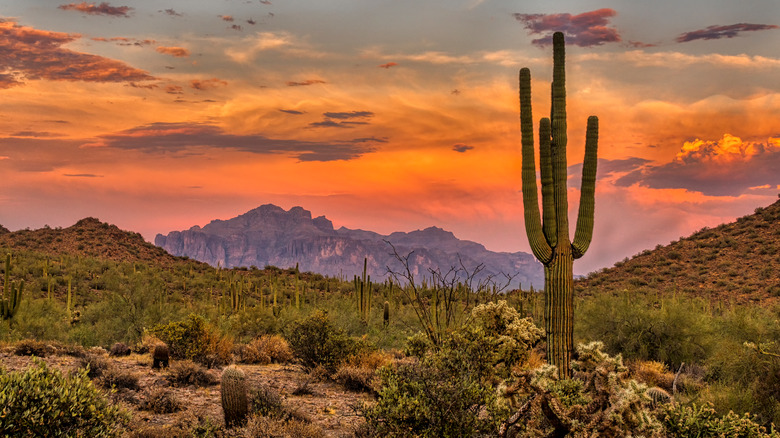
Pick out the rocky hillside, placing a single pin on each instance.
(88, 237)
(269, 235)
(738, 261)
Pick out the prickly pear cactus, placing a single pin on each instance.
(234, 398)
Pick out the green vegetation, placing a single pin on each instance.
(549, 234)
(41, 401)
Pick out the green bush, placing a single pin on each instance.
(40, 401)
(315, 341)
(194, 339)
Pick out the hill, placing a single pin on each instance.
(738, 261)
(88, 237)
(269, 235)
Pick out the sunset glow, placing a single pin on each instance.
(385, 116)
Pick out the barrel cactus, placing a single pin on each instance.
(235, 404)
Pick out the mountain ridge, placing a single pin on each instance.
(269, 235)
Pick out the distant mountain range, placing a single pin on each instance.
(269, 235)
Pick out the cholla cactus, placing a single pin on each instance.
(235, 404)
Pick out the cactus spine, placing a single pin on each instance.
(549, 235)
(234, 399)
(12, 294)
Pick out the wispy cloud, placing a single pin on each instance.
(28, 54)
(305, 83)
(178, 137)
(205, 84)
(228, 18)
(101, 9)
(82, 175)
(293, 112)
(348, 115)
(462, 148)
(124, 41)
(177, 52)
(718, 32)
(172, 13)
(585, 30)
(388, 65)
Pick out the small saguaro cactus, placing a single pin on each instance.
(12, 293)
(363, 289)
(235, 404)
(548, 235)
(386, 314)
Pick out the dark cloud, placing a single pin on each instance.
(305, 83)
(388, 65)
(718, 32)
(329, 124)
(608, 168)
(266, 2)
(205, 84)
(174, 89)
(585, 30)
(294, 112)
(101, 9)
(32, 54)
(82, 175)
(728, 167)
(183, 137)
(177, 52)
(348, 115)
(236, 27)
(251, 22)
(172, 13)
(462, 148)
(123, 41)
(369, 140)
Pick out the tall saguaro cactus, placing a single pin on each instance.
(549, 234)
(9, 306)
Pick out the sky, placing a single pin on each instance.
(384, 115)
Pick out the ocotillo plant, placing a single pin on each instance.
(9, 305)
(549, 235)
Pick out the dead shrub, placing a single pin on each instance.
(119, 349)
(652, 373)
(160, 401)
(356, 378)
(32, 347)
(113, 377)
(277, 427)
(187, 372)
(267, 349)
(96, 365)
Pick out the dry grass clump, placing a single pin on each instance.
(283, 428)
(32, 347)
(160, 401)
(267, 349)
(119, 349)
(359, 372)
(95, 364)
(115, 378)
(652, 373)
(187, 372)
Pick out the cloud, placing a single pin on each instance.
(37, 134)
(462, 148)
(174, 89)
(82, 175)
(251, 22)
(388, 65)
(584, 30)
(718, 32)
(305, 83)
(31, 54)
(228, 18)
(205, 84)
(726, 167)
(178, 52)
(266, 2)
(123, 41)
(236, 27)
(180, 137)
(294, 112)
(329, 124)
(172, 13)
(101, 9)
(348, 115)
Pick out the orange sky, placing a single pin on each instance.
(390, 117)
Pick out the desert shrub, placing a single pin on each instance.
(356, 378)
(115, 378)
(196, 340)
(41, 319)
(187, 372)
(95, 365)
(315, 341)
(267, 349)
(702, 421)
(32, 347)
(119, 349)
(40, 401)
(160, 401)
(652, 373)
(450, 389)
(266, 401)
(260, 426)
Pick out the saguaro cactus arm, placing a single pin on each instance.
(584, 232)
(533, 221)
